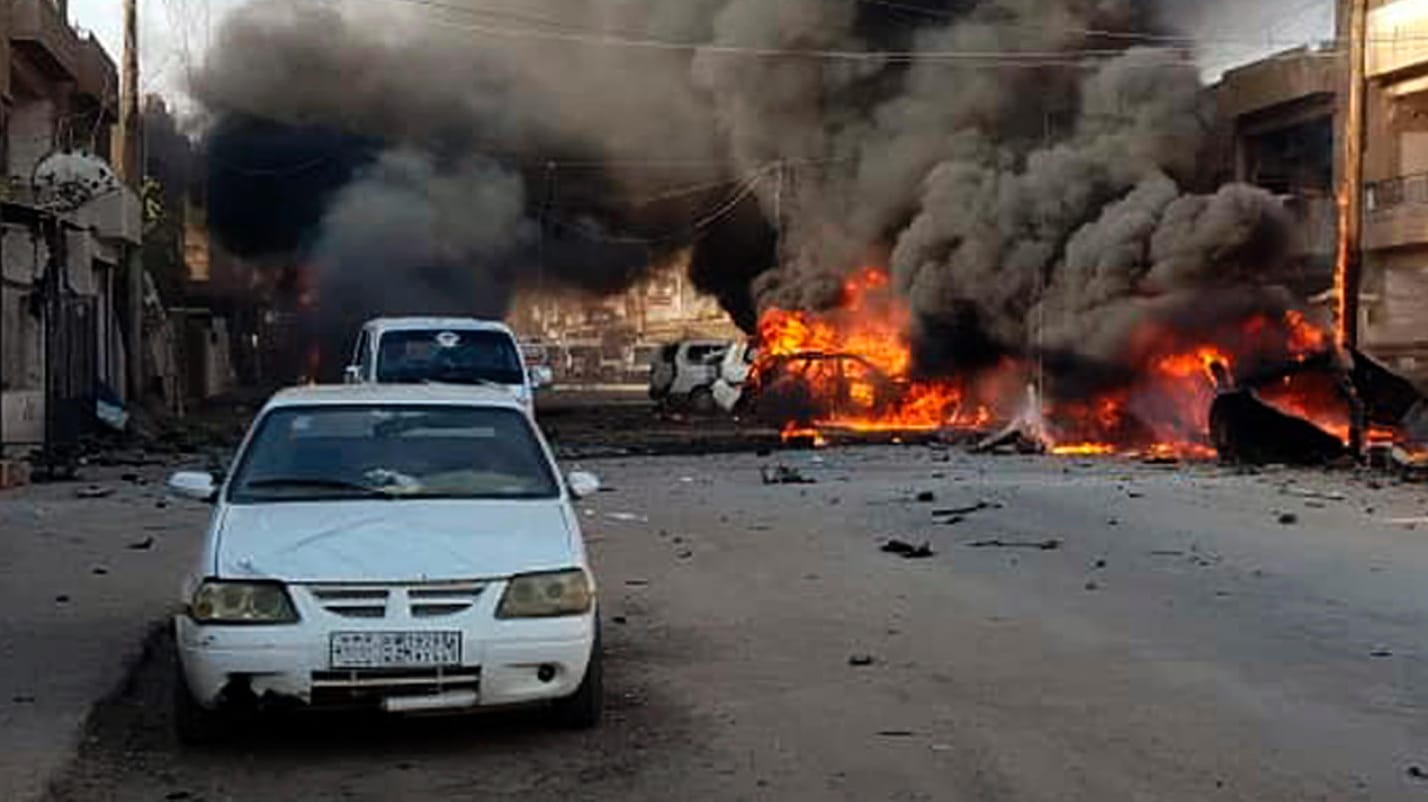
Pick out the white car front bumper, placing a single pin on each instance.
(503, 662)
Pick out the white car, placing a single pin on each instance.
(413, 350)
(405, 548)
(681, 374)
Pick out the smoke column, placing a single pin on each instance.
(1018, 160)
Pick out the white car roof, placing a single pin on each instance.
(441, 394)
(384, 324)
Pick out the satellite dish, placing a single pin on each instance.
(66, 181)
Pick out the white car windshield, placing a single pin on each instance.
(393, 452)
(452, 357)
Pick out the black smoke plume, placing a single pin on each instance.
(1019, 166)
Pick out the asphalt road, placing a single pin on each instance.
(1178, 642)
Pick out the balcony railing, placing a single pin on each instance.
(1391, 193)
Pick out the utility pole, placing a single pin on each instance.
(131, 172)
(1348, 270)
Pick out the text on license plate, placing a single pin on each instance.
(395, 649)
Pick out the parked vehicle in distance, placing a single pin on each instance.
(447, 350)
(734, 370)
(682, 374)
(400, 548)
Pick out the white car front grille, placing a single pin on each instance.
(430, 600)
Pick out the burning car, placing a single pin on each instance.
(807, 387)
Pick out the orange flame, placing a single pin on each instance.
(860, 379)
(855, 365)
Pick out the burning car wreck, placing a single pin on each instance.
(1261, 390)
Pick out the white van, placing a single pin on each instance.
(416, 350)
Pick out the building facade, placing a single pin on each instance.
(1396, 176)
(1280, 126)
(62, 296)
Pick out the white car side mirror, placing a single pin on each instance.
(541, 376)
(583, 484)
(195, 485)
(352, 374)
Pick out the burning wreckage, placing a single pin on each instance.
(1263, 391)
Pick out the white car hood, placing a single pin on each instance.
(393, 541)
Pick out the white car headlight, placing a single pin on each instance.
(549, 595)
(242, 603)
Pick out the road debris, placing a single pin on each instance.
(861, 660)
(926, 497)
(897, 733)
(1093, 585)
(784, 475)
(1051, 544)
(627, 517)
(99, 570)
(63, 598)
(1417, 772)
(93, 491)
(1288, 519)
(908, 551)
(1318, 495)
(980, 506)
(142, 545)
(1381, 651)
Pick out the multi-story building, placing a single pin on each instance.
(1276, 130)
(1280, 127)
(611, 339)
(61, 300)
(1396, 173)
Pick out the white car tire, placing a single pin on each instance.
(583, 709)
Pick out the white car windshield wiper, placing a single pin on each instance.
(305, 483)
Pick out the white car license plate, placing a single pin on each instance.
(395, 649)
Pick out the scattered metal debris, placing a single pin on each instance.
(784, 475)
(908, 551)
(968, 510)
(1051, 544)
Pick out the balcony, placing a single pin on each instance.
(1398, 37)
(41, 34)
(97, 76)
(1397, 212)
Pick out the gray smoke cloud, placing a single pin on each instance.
(1028, 201)
(436, 238)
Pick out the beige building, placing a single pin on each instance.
(1396, 172)
(610, 339)
(1280, 125)
(1277, 120)
(61, 333)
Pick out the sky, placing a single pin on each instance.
(174, 34)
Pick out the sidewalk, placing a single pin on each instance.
(82, 581)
